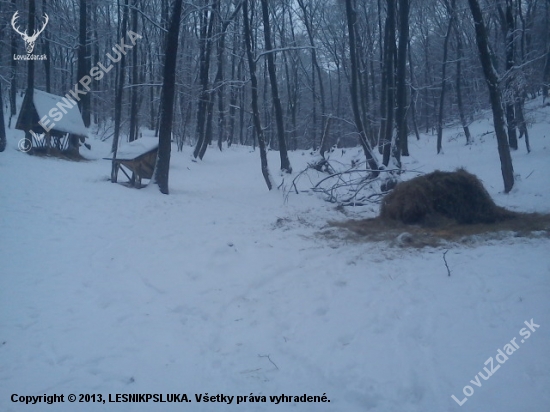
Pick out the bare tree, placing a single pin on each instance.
(134, 124)
(459, 100)
(401, 146)
(494, 94)
(83, 64)
(308, 14)
(254, 101)
(28, 120)
(351, 20)
(451, 12)
(13, 85)
(162, 168)
(120, 91)
(285, 162)
(389, 79)
(207, 19)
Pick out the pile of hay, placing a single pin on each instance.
(458, 196)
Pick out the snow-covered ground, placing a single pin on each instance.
(224, 288)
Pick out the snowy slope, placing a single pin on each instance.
(222, 287)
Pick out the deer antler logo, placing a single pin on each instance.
(29, 40)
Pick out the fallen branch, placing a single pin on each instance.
(446, 265)
(267, 356)
(355, 185)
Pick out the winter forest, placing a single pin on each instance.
(327, 72)
(358, 214)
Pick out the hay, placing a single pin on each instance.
(428, 199)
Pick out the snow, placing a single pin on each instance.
(131, 150)
(70, 121)
(225, 288)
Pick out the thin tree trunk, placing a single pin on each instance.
(494, 93)
(254, 90)
(82, 69)
(47, 63)
(509, 33)
(459, 57)
(120, 91)
(218, 81)
(30, 85)
(401, 143)
(315, 63)
(13, 85)
(209, 127)
(219, 86)
(207, 26)
(134, 125)
(383, 87)
(444, 78)
(351, 21)
(2, 126)
(389, 64)
(522, 125)
(285, 162)
(546, 77)
(414, 95)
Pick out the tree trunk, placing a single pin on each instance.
(82, 69)
(401, 143)
(383, 41)
(522, 125)
(120, 91)
(389, 68)
(47, 62)
(254, 104)
(510, 28)
(351, 20)
(414, 95)
(444, 78)
(314, 62)
(162, 168)
(459, 57)
(546, 78)
(28, 120)
(285, 162)
(507, 25)
(494, 93)
(2, 126)
(219, 86)
(219, 79)
(134, 125)
(209, 104)
(13, 85)
(207, 26)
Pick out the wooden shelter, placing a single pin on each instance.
(138, 158)
(60, 116)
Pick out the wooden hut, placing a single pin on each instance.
(138, 158)
(52, 120)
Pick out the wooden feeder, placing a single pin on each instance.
(136, 160)
(60, 116)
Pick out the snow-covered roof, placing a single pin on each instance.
(71, 122)
(138, 147)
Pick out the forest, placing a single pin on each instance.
(287, 74)
(358, 209)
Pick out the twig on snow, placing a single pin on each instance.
(446, 265)
(267, 356)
